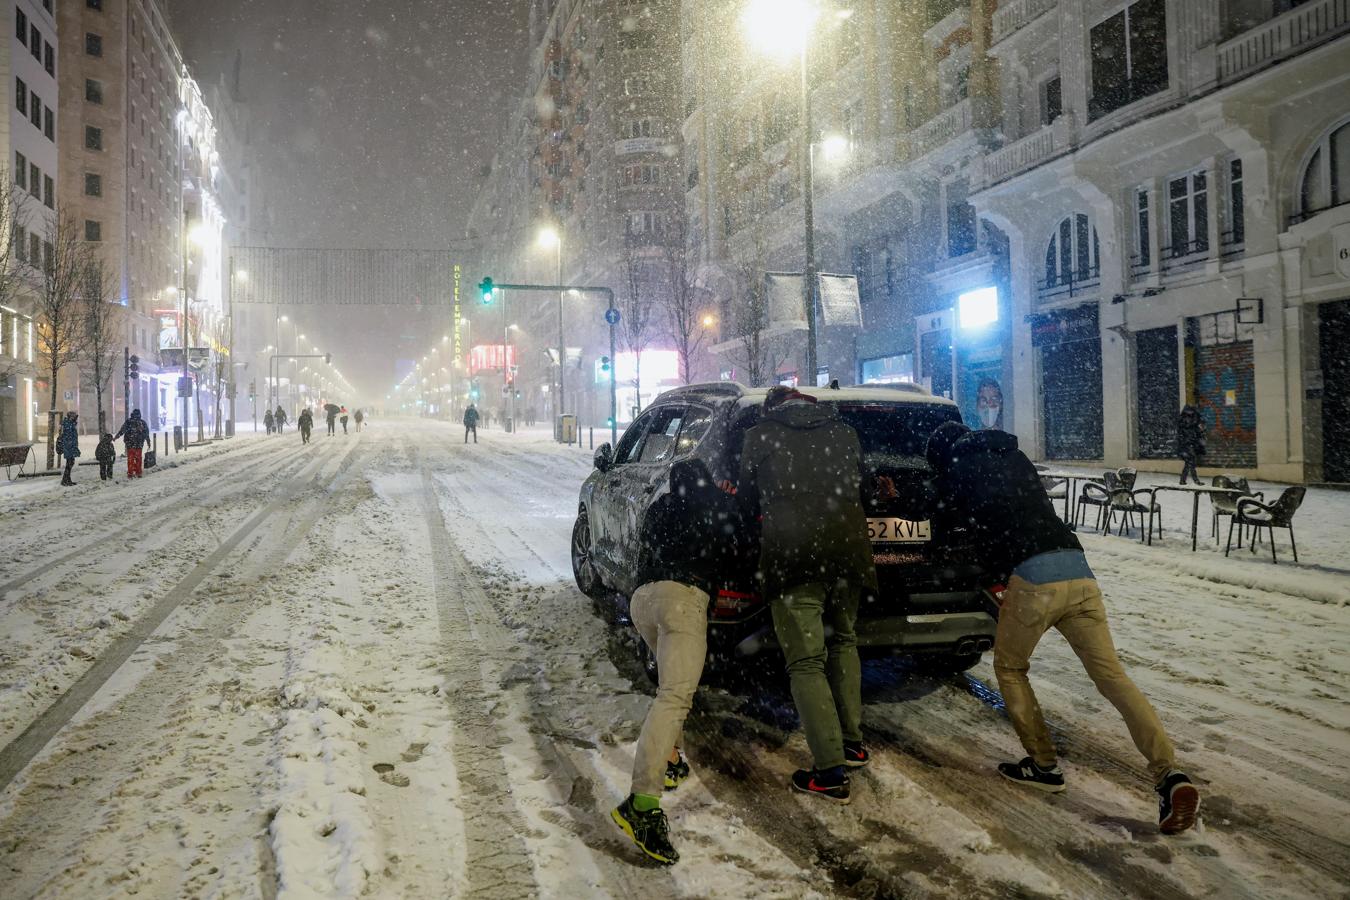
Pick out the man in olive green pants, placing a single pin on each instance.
(801, 467)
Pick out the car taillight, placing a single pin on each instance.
(997, 591)
(734, 604)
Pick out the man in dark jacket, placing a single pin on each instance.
(1190, 442)
(134, 434)
(68, 446)
(471, 423)
(802, 467)
(989, 488)
(279, 419)
(306, 424)
(688, 540)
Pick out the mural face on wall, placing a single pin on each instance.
(989, 404)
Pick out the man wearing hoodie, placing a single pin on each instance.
(1190, 442)
(988, 487)
(134, 433)
(802, 468)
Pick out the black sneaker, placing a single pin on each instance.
(676, 773)
(821, 784)
(1028, 773)
(648, 830)
(1178, 803)
(856, 755)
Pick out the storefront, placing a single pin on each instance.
(1069, 345)
(1157, 381)
(1334, 390)
(1222, 385)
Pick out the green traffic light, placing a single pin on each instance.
(485, 287)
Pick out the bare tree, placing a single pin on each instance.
(758, 351)
(220, 334)
(59, 278)
(637, 305)
(681, 299)
(104, 329)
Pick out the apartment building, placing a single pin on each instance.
(1071, 217)
(28, 136)
(602, 170)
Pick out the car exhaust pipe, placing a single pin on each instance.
(965, 647)
(984, 645)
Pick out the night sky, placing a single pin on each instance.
(372, 120)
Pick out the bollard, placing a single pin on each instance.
(592, 437)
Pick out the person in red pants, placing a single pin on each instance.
(134, 434)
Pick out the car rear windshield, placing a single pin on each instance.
(896, 429)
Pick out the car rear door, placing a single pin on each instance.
(610, 505)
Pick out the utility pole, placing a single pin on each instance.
(229, 350)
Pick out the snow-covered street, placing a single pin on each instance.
(362, 668)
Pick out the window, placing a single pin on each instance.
(1237, 213)
(49, 123)
(21, 25)
(35, 110)
(35, 42)
(1129, 57)
(93, 185)
(630, 445)
(49, 58)
(1073, 256)
(1188, 215)
(93, 90)
(1326, 181)
(34, 180)
(1141, 229)
(98, 5)
(93, 231)
(21, 96)
(93, 138)
(20, 170)
(697, 421)
(47, 254)
(1052, 100)
(644, 223)
(93, 44)
(49, 191)
(34, 248)
(636, 128)
(660, 442)
(961, 226)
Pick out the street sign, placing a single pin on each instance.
(612, 316)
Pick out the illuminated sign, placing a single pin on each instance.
(658, 367)
(976, 309)
(491, 357)
(459, 336)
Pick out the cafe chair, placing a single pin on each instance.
(1098, 494)
(1256, 515)
(1226, 504)
(1141, 503)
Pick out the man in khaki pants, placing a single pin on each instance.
(989, 487)
(687, 544)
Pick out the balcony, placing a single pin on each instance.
(1021, 155)
(1185, 254)
(1069, 284)
(943, 128)
(1018, 14)
(1299, 29)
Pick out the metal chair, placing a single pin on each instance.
(1257, 515)
(1098, 494)
(1055, 488)
(1127, 503)
(1226, 504)
(1127, 477)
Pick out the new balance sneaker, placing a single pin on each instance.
(648, 830)
(828, 785)
(1028, 773)
(676, 772)
(856, 755)
(1178, 803)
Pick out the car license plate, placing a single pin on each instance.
(899, 531)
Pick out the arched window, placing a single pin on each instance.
(1073, 254)
(1326, 181)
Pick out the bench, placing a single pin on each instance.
(16, 457)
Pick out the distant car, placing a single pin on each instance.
(935, 600)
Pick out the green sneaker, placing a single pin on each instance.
(648, 830)
(676, 773)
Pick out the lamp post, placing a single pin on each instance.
(552, 237)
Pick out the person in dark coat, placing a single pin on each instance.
(358, 417)
(68, 445)
(802, 468)
(1190, 442)
(106, 454)
(471, 423)
(330, 415)
(306, 423)
(988, 487)
(279, 419)
(344, 420)
(268, 421)
(688, 542)
(134, 434)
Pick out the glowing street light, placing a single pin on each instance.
(779, 28)
(709, 320)
(835, 147)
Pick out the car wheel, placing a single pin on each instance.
(946, 663)
(583, 563)
(648, 660)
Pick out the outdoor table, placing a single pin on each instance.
(1195, 490)
(1071, 480)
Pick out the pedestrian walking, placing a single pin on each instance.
(801, 469)
(306, 423)
(106, 454)
(68, 446)
(359, 417)
(268, 421)
(134, 434)
(330, 415)
(686, 545)
(471, 423)
(1190, 442)
(987, 487)
(344, 420)
(279, 419)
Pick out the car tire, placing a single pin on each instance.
(946, 663)
(583, 560)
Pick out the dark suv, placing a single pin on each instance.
(934, 599)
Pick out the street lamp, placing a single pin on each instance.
(551, 237)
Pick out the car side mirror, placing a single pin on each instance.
(604, 457)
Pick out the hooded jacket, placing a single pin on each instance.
(691, 533)
(471, 417)
(987, 486)
(134, 432)
(306, 421)
(802, 466)
(68, 441)
(105, 452)
(1190, 433)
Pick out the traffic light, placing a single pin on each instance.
(133, 367)
(604, 364)
(328, 358)
(485, 288)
